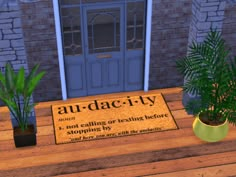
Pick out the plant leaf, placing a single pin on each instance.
(20, 80)
(34, 82)
(10, 78)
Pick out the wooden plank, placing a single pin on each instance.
(217, 171)
(43, 112)
(79, 155)
(191, 166)
(3, 109)
(137, 164)
(175, 105)
(175, 96)
(94, 153)
(178, 114)
(43, 130)
(5, 116)
(7, 146)
(5, 125)
(41, 121)
(45, 120)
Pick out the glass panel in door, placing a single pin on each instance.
(103, 30)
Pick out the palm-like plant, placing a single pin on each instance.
(211, 73)
(15, 89)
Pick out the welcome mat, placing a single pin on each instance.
(115, 117)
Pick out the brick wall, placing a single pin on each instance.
(11, 38)
(170, 29)
(40, 43)
(205, 15)
(229, 27)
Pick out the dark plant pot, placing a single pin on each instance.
(26, 138)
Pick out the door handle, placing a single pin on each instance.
(104, 56)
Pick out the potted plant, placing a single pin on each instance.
(210, 73)
(16, 91)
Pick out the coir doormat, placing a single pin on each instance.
(115, 117)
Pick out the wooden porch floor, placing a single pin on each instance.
(174, 153)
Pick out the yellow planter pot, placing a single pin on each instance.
(210, 133)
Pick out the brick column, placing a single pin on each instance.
(12, 48)
(38, 26)
(229, 26)
(206, 14)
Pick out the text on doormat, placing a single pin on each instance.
(111, 118)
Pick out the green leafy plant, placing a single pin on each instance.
(210, 72)
(15, 89)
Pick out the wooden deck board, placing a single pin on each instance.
(168, 153)
(172, 168)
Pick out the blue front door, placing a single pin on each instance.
(104, 49)
(103, 46)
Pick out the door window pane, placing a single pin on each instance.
(99, 1)
(135, 25)
(68, 2)
(71, 30)
(103, 30)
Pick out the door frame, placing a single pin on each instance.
(60, 46)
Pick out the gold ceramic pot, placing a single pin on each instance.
(210, 133)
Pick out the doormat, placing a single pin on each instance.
(97, 119)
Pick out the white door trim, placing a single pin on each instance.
(148, 44)
(60, 47)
